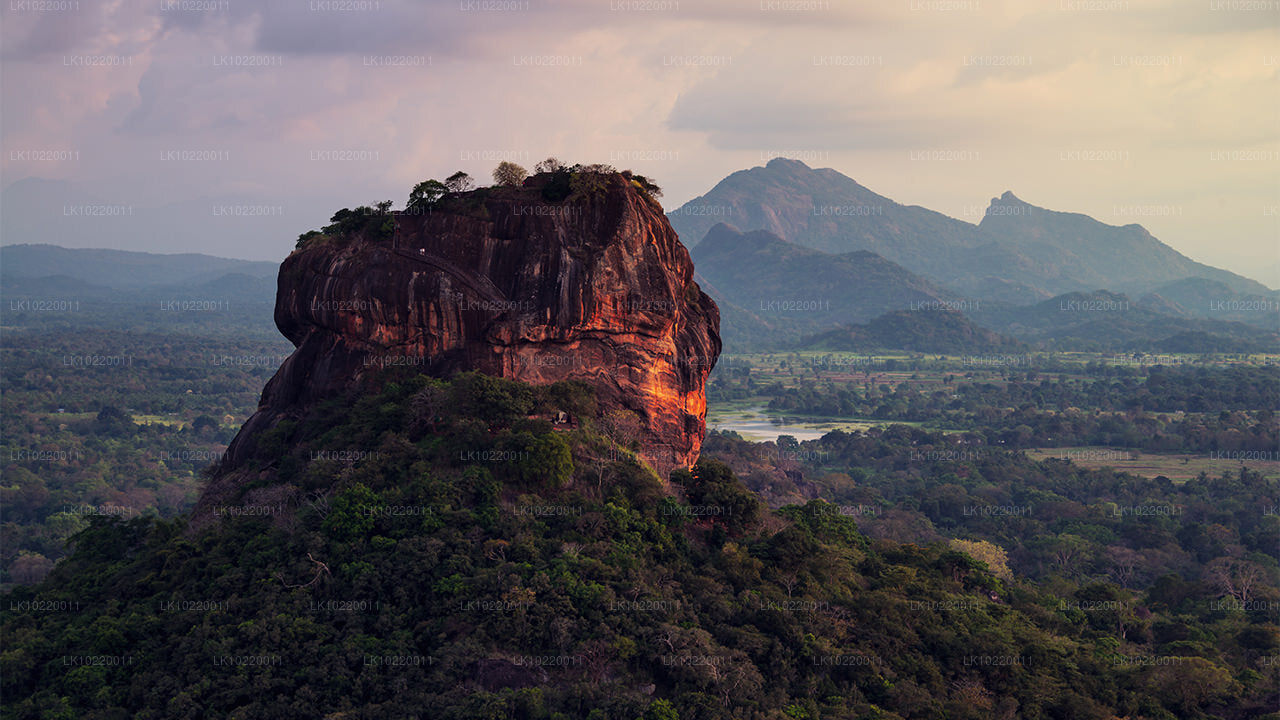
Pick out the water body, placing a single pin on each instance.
(756, 425)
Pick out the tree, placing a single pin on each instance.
(643, 183)
(550, 165)
(1189, 683)
(1069, 552)
(113, 422)
(548, 459)
(30, 568)
(1123, 563)
(428, 403)
(204, 422)
(587, 184)
(346, 221)
(349, 517)
(509, 174)
(1234, 577)
(712, 485)
(995, 557)
(621, 426)
(661, 710)
(425, 195)
(111, 413)
(459, 182)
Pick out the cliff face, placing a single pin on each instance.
(501, 281)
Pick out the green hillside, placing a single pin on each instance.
(439, 549)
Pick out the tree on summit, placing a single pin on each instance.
(509, 174)
(550, 165)
(459, 182)
(646, 185)
(426, 194)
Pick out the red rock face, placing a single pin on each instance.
(599, 290)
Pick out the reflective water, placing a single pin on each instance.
(755, 424)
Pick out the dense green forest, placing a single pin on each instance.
(1154, 408)
(1051, 518)
(1155, 389)
(106, 421)
(436, 548)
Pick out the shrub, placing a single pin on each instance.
(305, 238)
(559, 187)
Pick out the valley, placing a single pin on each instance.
(639, 360)
(875, 505)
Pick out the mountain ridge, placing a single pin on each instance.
(122, 269)
(1011, 255)
(776, 291)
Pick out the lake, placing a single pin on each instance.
(757, 425)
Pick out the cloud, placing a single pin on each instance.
(302, 100)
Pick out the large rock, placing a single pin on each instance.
(595, 288)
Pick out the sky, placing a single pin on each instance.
(229, 127)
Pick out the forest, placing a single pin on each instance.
(441, 544)
(97, 421)
(1156, 408)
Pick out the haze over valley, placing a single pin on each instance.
(640, 359)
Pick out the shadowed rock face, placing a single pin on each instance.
(503, 282)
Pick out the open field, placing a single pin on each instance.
(1176, 467)
(64, 417)
(171, 420)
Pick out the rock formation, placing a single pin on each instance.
(594, 287)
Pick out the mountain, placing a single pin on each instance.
(233, 305)
(528, 283)
(1106, 321)
(122, 269)
(773, 292)
(1204, 298)
(827, 211)
(228, 288)
(1019, 253)
(1077, 252)
(56, 286)
(928, 330)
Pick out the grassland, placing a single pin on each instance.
(1175, 466)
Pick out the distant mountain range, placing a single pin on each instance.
(797, 256)
(66, 213)
(928, 330)
(227, 288)
(1200, 297)
(772, 292)
(792, 253)
(1018, 253)
(121, 269)
(1106, 321)
(49, 287)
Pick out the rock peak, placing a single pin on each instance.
(781, 163)
(593, 286)
(724, 229)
